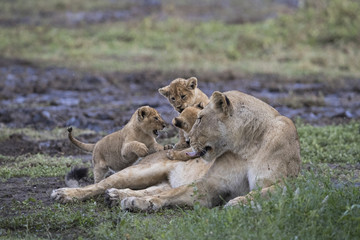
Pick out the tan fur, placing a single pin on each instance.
(247, 143)
(153, 175)
(183, 93)
(121, 149)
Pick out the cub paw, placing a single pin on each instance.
(142, 151)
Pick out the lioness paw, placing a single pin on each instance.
(236, 201)
(139, 204)
(171, 154)
(60, 195)
(112, 197)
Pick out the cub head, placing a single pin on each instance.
(149, 120)
(211, 134)
(187, 118)
(180, 93)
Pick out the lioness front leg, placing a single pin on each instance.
(185, 195)
(135, 177)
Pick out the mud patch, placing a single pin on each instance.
(19, 144)
(57, 97)
(21, 189)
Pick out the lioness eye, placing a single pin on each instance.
(173, 98)
(156, 118)
(183, 97)
(199, 119)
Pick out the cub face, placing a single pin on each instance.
(186, 119)
(180, 93)
(150, 120)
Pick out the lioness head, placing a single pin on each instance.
(187, 118)
(180, 93)
(209, 137)
(149, 120)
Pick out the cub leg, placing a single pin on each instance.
(182, 141)
(133, 150)
(135, 177)
(114, 196)
(99, 173)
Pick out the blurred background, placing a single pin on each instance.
(91, 64)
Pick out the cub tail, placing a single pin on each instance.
(73, 177)
(84, 146)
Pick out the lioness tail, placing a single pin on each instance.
(73, 177)
(84, 146)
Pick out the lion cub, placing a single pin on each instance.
(121, 149)
(184, 121)
(183, 93)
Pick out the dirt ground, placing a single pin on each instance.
(31, 96)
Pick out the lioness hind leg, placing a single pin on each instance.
(113, 196)
(250, 196)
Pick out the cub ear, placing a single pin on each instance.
(200, 105)
(192, 83)
(221, 103)
(177, 122)
(142, 113)
(165, 91)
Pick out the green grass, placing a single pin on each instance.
(33, 166)
(314, 41)
(322, 203)
(39, 135)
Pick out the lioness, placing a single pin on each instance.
(121, 149)
(247, 141)
(154, 170)
(183, 93)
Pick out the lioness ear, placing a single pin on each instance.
(142, 113)
(222, 103)
(164, 91)
(192, 83)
